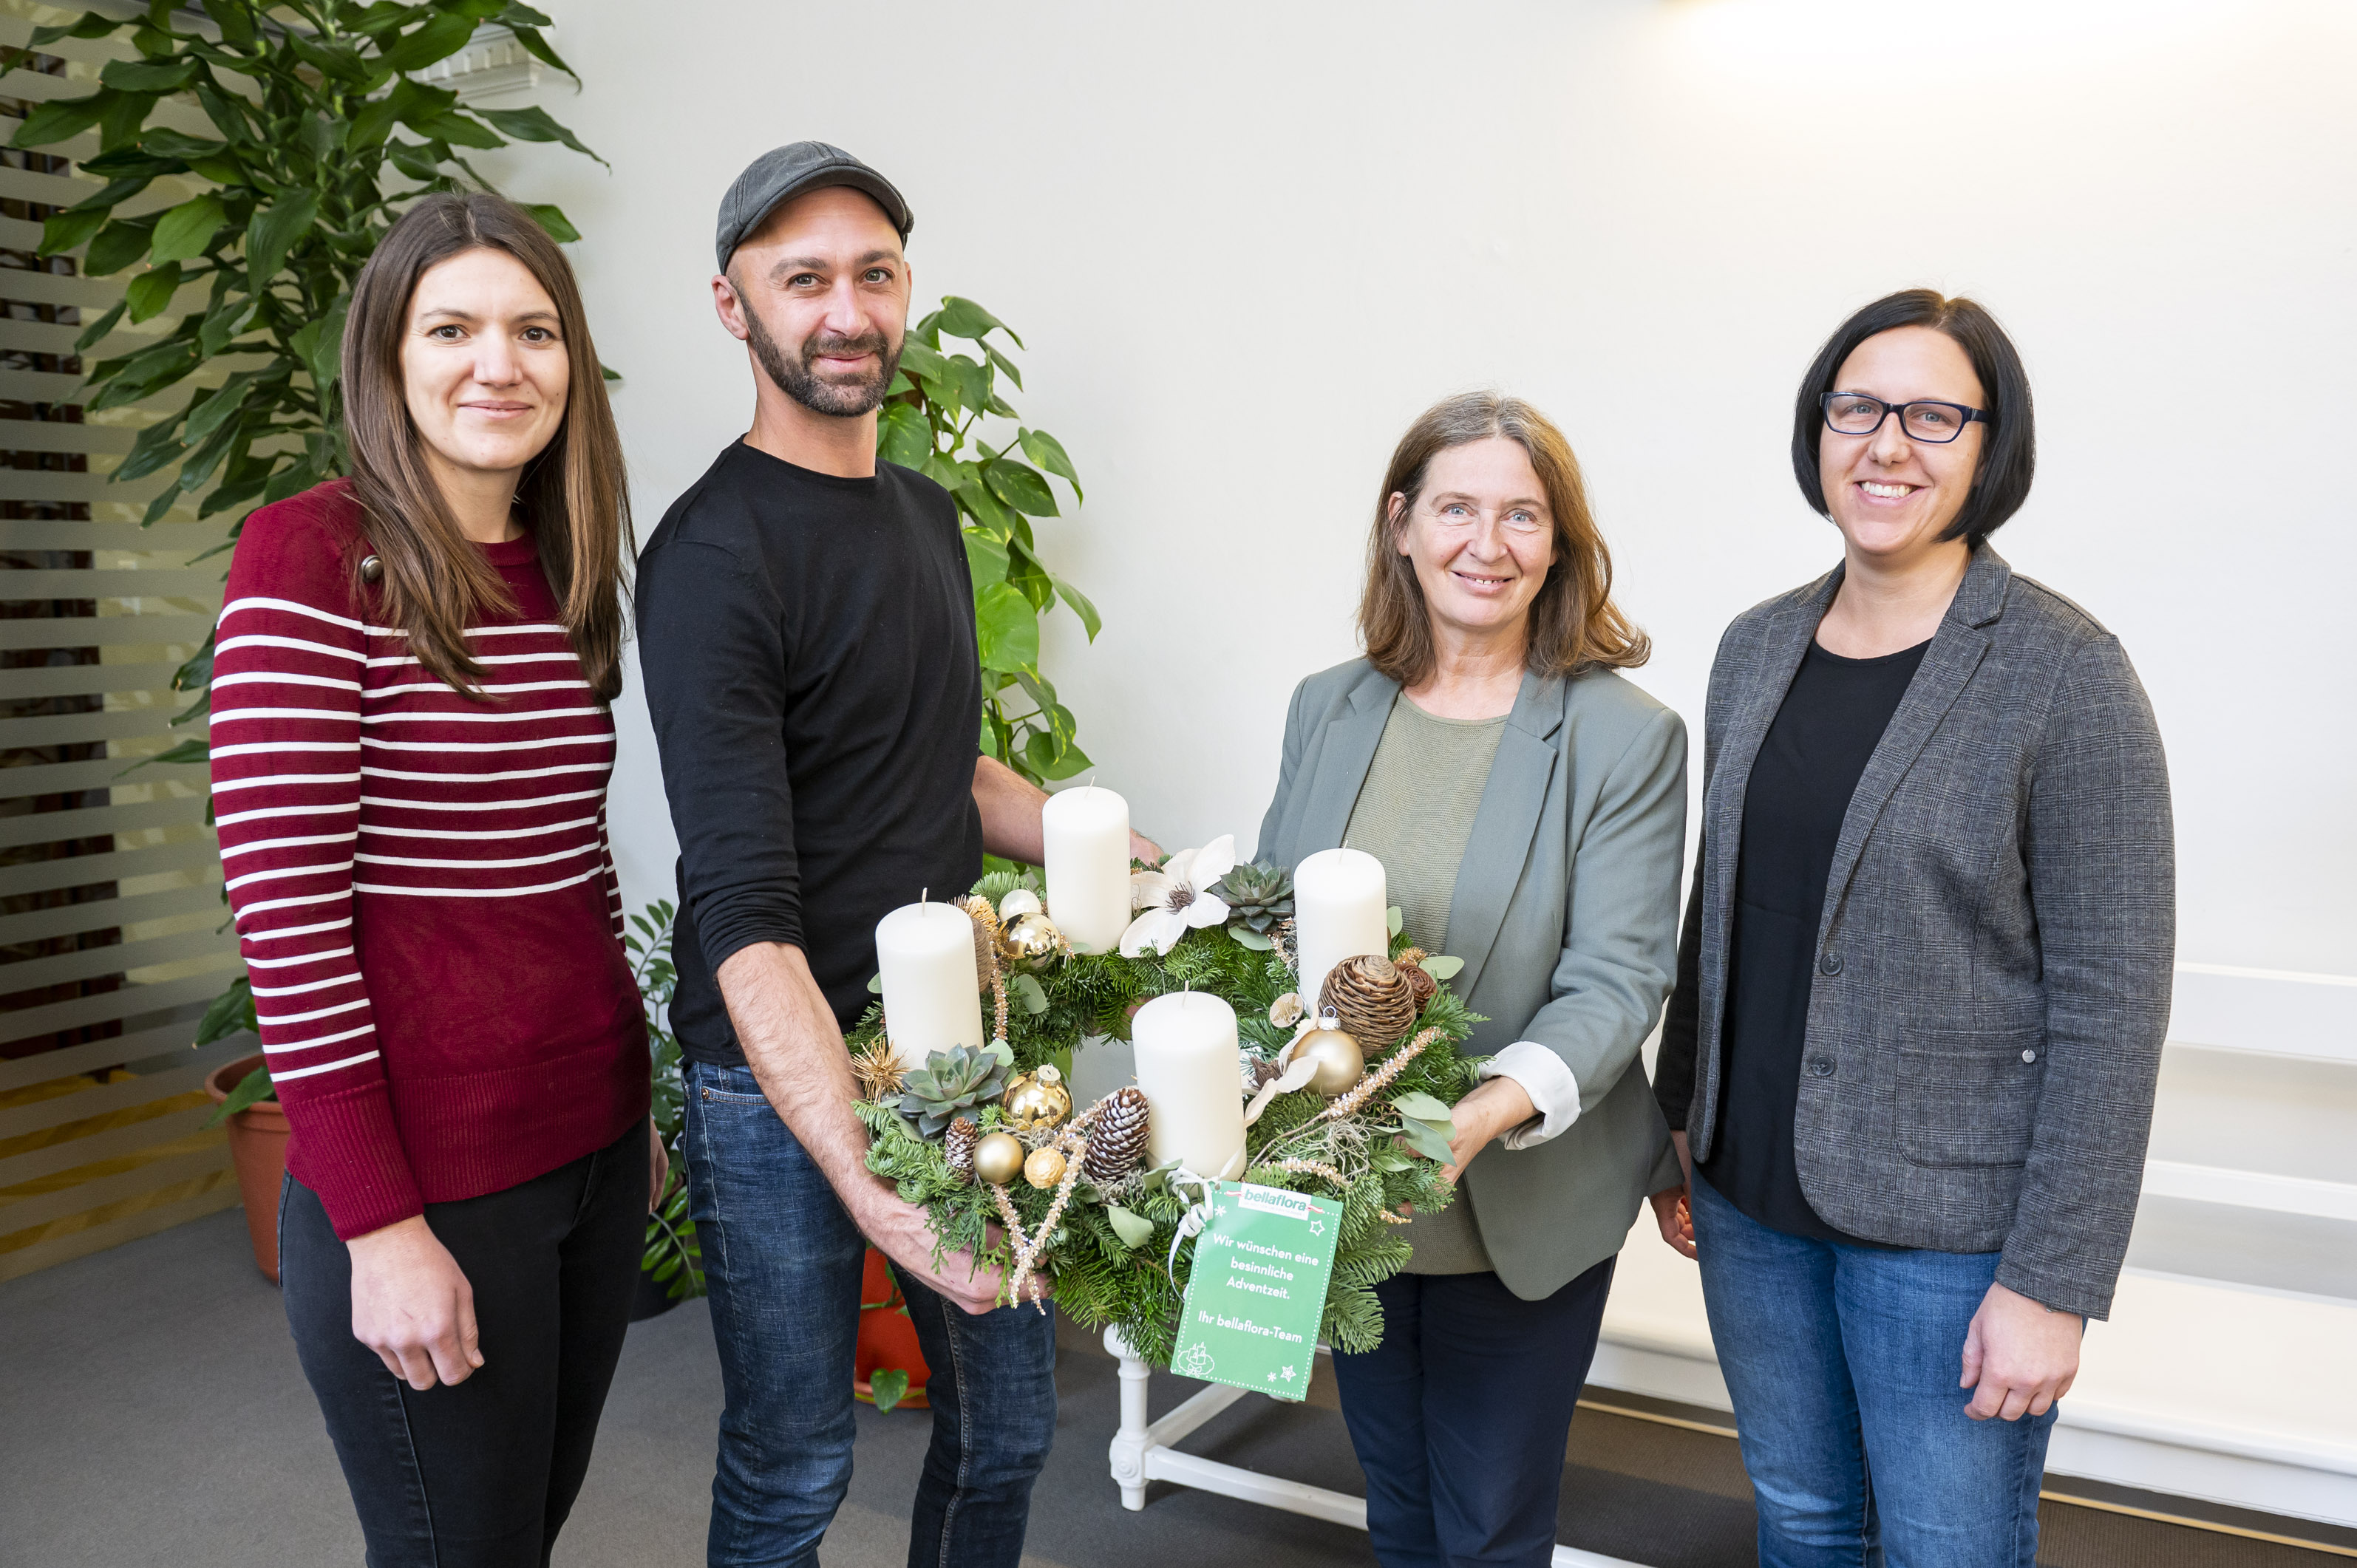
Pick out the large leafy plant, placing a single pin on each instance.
(322, 134)
(935, 418)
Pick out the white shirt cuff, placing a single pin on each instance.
(1553, 1091)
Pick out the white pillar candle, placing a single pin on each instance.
(1190, 1069)
(1087, 836)
(1339, 911)
(932, 993)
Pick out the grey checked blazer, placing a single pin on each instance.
(1992, 961)
(1565, 913)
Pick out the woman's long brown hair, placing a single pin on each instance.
(1574, 624)
(573, 495)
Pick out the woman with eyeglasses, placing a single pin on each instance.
(1924, 976)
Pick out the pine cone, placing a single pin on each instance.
(1373, 999)
(1411, 963)
(1118, 1138)
(986, 936)
(957, 1146)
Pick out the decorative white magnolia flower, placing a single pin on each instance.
(1177, 899)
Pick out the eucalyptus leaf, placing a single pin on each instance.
(1246, 936)
(1426, 1139)
(1135, 1231)
(1422, 1107)
(1441, 967)
(1027, 989)
(1394, 919)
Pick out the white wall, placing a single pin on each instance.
(1246, 243)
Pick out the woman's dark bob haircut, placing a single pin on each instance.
(2009, 452)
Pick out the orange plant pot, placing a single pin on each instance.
(888, 1340)
(257, 1151)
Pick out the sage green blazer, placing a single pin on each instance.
(1566, 914)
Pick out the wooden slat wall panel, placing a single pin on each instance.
(111, 940)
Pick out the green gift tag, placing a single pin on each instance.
(1257, 1291)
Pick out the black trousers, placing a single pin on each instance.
(481, 1475)
(1461, 1415)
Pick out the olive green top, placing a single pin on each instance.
(1415, 813)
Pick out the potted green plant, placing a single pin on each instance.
(670, 1270)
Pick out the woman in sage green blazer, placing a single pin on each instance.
(1528, 806)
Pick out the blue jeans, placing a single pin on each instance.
(784, 1261)
(1842, 1361)
(1461, 1415)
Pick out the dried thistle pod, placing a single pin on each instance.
(1373, 998)
(1411, 963)
(1118, 1138)
(877, 1070)
(957, 1146)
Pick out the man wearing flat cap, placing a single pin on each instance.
(806, 636)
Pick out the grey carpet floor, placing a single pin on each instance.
(152, 1412)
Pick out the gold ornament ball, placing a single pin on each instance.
(1045, 1168)
(997, 1159)
(1340, 1063)
(1036, 1099)
(1031, 943)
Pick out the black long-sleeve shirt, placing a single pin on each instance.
(808, 648)
(1807, 768)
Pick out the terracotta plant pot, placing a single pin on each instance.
(888, 1340)
(257, 1149)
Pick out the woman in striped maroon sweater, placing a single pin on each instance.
(411, 748)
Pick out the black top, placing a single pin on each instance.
(807, 643)
(1799, 790)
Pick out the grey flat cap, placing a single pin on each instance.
(788, 171)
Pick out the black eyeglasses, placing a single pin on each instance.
(1854, 413)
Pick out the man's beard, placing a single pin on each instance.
(844, 398)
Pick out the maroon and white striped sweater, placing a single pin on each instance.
(421, 879)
